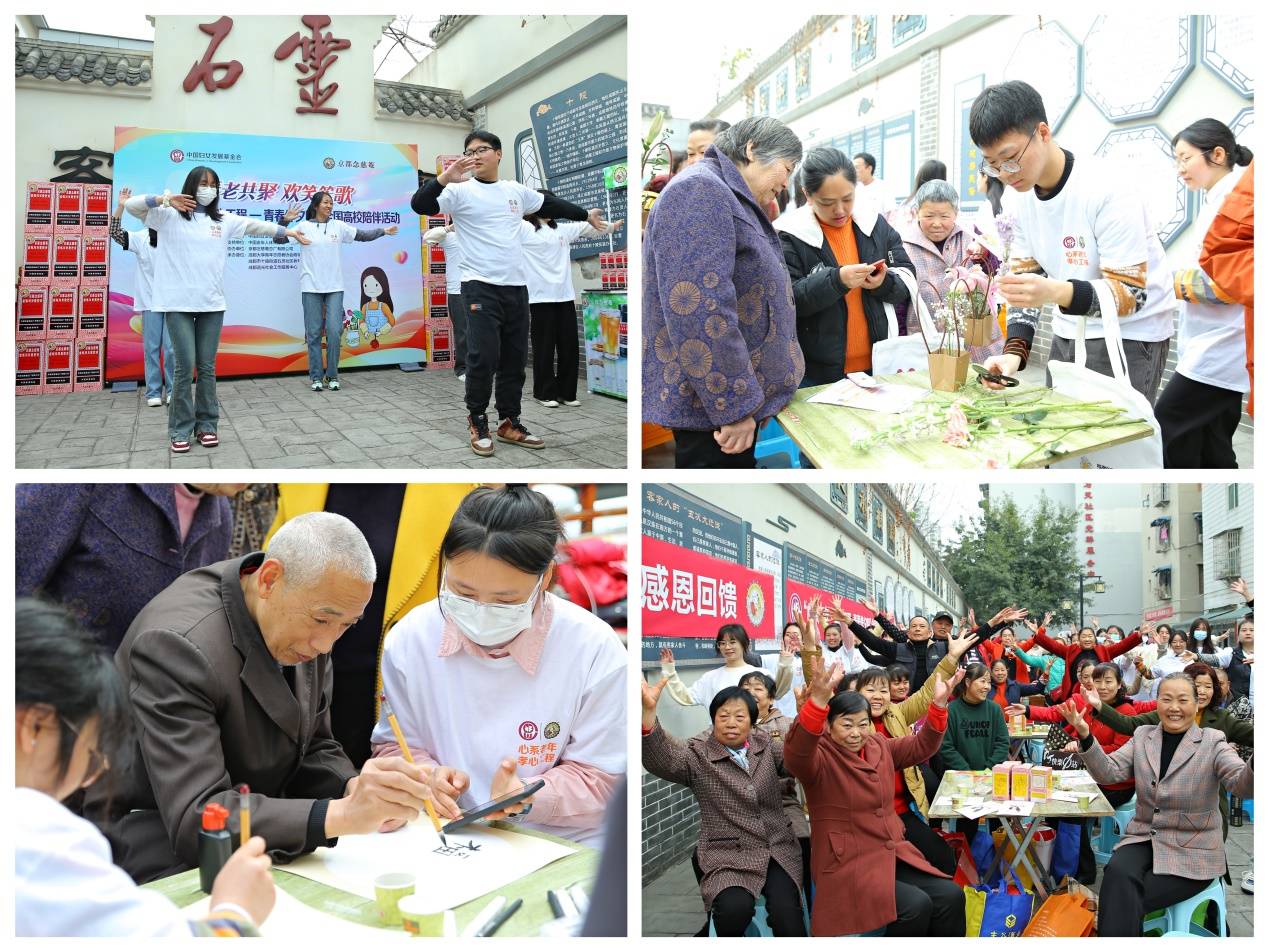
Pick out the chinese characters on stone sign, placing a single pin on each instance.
(318, 52)
(81, 165)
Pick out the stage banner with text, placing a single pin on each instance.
(690, 595)
(797, 595)
(261, 177)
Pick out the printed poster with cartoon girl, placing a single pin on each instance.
(262, 177)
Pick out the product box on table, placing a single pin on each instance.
(1041, 783)
(1020, 782)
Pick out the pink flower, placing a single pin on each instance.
(957, 432)
(968, 280)
(993, 464)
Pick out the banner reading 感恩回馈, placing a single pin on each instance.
(261, 177)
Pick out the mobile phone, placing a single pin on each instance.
(493, 806)
(875, 266)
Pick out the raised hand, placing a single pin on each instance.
(182, 203)
(1013, 710)
(125, 193)
(800, 695)
(973, 622)
(1147, 628)
(824, 681)
(792, 646)
(957, 646)
(1048, 617)
(943, 689)
(651, 693)
(1072, 714)
(667, 656)
(1092, 697)
(873, 608)
(292, 213)
(1097, 622)
(1240, 586)
(391, 230)
(1009, 614)
(836, 612)
(1035, 629)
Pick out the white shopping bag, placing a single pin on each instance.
(895, 354)
(1076, 380)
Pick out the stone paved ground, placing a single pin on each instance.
(381, 418)
(672, 904)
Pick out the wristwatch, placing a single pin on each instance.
(167, 198)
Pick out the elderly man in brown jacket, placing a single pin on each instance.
(228, 671)
(1173, 847)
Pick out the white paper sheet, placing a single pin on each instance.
(479, 860)
(884, 398)
(974, 812)
(291, 918)
(1015, 808)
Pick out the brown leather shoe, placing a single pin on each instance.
(513, 431)
(478, 429)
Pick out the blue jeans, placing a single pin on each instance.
(155, 338)
(195, 340)
(313, 324)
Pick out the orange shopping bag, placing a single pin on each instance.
(1061, 914)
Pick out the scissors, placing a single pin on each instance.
(990, 376)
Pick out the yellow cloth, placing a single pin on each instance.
(858, 342)
(414, 577)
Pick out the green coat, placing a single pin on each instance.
(977, 737)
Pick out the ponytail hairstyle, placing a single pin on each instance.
(536, 219)
(821, 163)
(1207, 135)
(513, 524)
(310, 214)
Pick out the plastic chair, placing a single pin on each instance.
(1112, 828)
(1182, 914)
(1247, 809)
(771, 442)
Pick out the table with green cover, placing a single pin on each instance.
(826, 434)
(577, 867)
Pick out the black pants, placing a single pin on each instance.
(554, 331)
(926, 905)
(1086, 871)
(807, 892)
(932, 846)
(458, 318)
(1198, 423)
(733, 907)
(697, 449)
(497, 346)
(1130, 889)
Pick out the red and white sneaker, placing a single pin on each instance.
(209, 440)
(180, 446)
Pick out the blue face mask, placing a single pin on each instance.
(1200, 634)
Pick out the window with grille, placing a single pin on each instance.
(528, 169)
(1231, 495)
(1229, 547)
(1163, 584)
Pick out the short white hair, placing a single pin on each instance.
(314, 543)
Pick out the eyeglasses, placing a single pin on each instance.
(98, 763)
(1183, 163)
(479, 150)
(1011, 166)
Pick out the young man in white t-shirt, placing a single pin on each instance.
(868, 188)
(487, 212)
(1082, 241)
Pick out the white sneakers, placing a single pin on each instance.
(551, 404)
(572, 403)
(1248, 882)
(154, 401)
(316, 386)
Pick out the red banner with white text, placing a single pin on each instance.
(689, 595)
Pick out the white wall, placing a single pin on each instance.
(52, 115)
(1219, 517)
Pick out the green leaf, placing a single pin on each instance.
(1035, 416)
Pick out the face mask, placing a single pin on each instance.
(486, 624)
(206, 195)
(1200, 634)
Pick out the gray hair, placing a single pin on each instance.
(311, 544)
(936, 190)
(772, 140)
(1179, 676)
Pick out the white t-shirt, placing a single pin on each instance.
(453, 248)
(711, 682)
(321, 269)
(139, 245)
(471, 712)
(66, 885)
(877, 195)
(1096, 221)
(1169, 663)
(548, 269)
(487, 218)
(189, 264)
(1212, 338)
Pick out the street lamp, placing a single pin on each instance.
(1097, 585)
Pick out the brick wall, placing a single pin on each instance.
(671, 823)
(928, 111)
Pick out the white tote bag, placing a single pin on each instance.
(1076, 380)
(896, 354)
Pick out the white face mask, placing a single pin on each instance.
(487, 624)
(206, 195)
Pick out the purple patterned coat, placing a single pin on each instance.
(719, 334)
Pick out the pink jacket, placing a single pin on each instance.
(930, 265)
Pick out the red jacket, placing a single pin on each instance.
(1107, 737)
(1070, 652)
(856, 836)
(1228, 258)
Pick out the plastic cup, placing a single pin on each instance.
(420, 918)
(390, 889)
(1085, 799)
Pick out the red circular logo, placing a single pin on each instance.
(528, 730)
(1068, 242)
(177, 155)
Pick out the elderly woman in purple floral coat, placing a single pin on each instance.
(720, 349)
(935, 241)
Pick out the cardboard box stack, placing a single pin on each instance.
(612, 270)
(63, 295)
(440, 328)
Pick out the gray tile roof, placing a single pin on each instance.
(68, 62)
(446, 27)
(421, 102)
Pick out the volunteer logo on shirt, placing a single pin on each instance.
(216, 230)
(514, 205)
(1068, 241)
(529, 730)
(552, 730)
